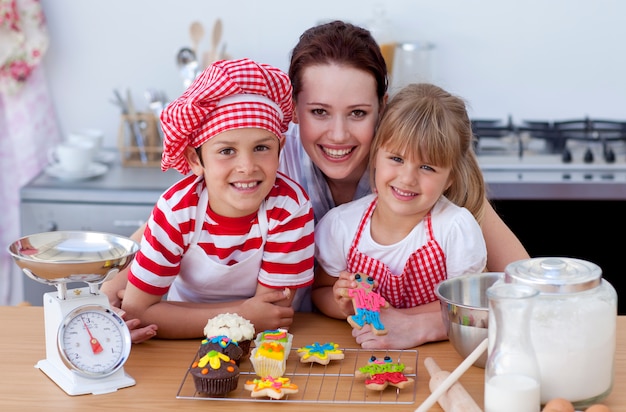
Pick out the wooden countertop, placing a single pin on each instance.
(158, 366)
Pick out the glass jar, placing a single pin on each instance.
(573, 327)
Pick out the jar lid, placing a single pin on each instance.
(554, 274)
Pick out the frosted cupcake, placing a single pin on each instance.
(233, 327)
(215, 374)
(269, 359)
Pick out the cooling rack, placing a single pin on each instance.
(333, 383)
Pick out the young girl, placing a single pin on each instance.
(410, 235)
(235, 235)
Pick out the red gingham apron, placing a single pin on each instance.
(424, 269)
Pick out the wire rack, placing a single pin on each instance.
(333, 383)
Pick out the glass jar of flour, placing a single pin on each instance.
(573, 327)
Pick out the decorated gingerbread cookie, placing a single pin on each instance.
(382, 373)
(367, 305)
(275, 388)
(321, 354)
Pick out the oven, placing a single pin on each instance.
(560, 186)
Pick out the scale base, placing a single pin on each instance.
(74, 384)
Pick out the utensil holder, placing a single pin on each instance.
(145, 151)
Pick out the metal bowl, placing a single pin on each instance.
(465, 310)
(72, 256)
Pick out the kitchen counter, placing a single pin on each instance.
(125, 185)
(158, 366)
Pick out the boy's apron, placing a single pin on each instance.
(202, 279)
(424, 269)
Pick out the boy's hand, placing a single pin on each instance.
(266, 310)
(137, 334)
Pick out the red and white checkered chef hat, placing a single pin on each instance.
(229, 94)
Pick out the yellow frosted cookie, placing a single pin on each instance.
(275, 388)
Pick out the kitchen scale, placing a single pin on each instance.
(87, 343)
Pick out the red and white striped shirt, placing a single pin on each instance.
(288, 252)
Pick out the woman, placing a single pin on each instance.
(340, 82)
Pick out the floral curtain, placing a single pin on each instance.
(28, 126)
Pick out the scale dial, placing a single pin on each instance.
(94, 341)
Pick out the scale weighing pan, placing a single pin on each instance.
(87, 343)
(58, 258)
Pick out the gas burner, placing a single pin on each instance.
(495, 137)
(574, 141)
(591, 131)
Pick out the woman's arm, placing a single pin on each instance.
(503, 247)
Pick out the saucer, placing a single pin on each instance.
(94, 169)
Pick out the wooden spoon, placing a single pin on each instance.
(196, 31)
(212, 55)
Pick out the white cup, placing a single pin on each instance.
(94, 136)
(72, 157)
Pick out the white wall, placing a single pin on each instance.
(533, 59)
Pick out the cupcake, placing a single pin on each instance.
(234, 327)
(275, 335)
(221, 344)
(269, 359)
(215, 374)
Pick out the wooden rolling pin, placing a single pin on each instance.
(455, 399)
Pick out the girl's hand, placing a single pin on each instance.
(406, 328)
(344, 282)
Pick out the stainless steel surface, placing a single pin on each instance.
(465, 310)
(70, 256)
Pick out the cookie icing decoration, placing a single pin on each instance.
(213, 360)
(275, 388)
(321, 354)
(382, 373)
(277, 335)
(272, 350)
(367, 305)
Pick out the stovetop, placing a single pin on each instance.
(581, 144)
(565, 159)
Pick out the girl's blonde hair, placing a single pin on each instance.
(423, 120)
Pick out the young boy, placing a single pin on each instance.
(235, 235)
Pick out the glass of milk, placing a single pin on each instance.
(512, 372)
